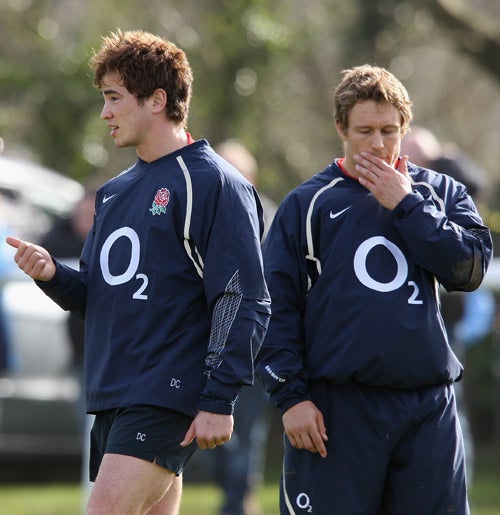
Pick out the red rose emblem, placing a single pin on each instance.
(162, 197)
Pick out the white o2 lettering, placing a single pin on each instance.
(362, 273)
(413, 297)
(399, 279)
(138, 294)
(113, 280)
(131, 235)
(303, 502)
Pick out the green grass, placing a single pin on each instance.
(40, 500)
(198, 499)
(67, 500)
(485, 495)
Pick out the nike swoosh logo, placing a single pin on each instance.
(335, 215)
(105, 199)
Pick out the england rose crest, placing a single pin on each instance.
(160, 202)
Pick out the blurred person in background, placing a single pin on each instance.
(468, 317)
(66, 236)
(240, 463)
(234, 151)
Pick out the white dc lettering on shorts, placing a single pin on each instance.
(141, 437)
(175, 383)
(303, 502)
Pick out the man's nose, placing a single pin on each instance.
(377, 140)
(105, 113)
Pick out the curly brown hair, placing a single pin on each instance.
(145, 63)
(368, 82)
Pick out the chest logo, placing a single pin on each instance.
(106, 198)
(338, 213)
(160, 202)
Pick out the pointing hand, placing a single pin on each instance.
(32, 259)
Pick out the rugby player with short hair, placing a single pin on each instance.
(170, 286)
(356, 355)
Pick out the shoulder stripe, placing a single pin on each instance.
(309, 238)
(433, 193)
(192, 252)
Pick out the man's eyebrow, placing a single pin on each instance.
(109, 92)
(367, 125)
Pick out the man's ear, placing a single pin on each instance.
(341, 131)
(159, 100)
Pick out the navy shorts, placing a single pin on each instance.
(389, 452)
(147, 432)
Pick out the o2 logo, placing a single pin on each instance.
(401, 276)
(130, 272)
(303, 502)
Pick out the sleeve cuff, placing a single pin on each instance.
(290, 402)
(217, 405)
(408, 204)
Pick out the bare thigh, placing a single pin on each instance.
(171, 502)
(128, 486)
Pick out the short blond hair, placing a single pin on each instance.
(368, 82)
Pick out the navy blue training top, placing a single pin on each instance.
(354, 286)
(171, 285)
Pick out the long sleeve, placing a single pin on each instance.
(281, 359)
(448, 238)
(236, 292)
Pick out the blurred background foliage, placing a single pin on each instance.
(264, 73)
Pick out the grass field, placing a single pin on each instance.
(197, 499)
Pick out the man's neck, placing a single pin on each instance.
(173, 137)
(347, 167)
